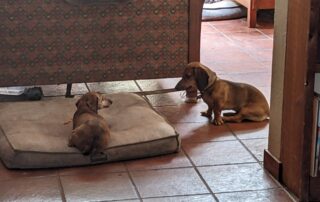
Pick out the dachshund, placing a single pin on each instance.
(90, 132)
(247, 101)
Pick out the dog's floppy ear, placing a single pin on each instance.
(77, 103)
(201, 77)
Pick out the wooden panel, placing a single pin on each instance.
(257, 4)
(296, 104)
(299, 83)
(195, 12)
(313, 49)
(314, 189)
(245, 3)
(253, 6)
(273, 165)
(265, 4)
(300, 66)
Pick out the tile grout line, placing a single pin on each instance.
(116, 200)
(63, 196)
(264, 34)
(226, 140)
(227, 164)
(280, 186)
(57, 176)
(247, 52)
(183, 167)
(260, 164)
(95, 173)
(199, 175)
(251, 190)
(240, 141)
(133, 183)
(223, 34)
(155, 197)
(226, 36)
(273, 178)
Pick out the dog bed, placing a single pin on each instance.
(223, 10)
(35, 135)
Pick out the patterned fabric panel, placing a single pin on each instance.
(53, 41)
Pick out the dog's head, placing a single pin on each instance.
(196, 76)
(94, 101)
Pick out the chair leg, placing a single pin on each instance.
(68, 91)
(252, 18)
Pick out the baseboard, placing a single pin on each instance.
(314, 190)
(273, 165)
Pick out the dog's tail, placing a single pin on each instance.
(97, 136)
(84, 145)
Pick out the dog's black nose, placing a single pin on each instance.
(110, 101)
(178, 86)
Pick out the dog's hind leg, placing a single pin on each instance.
(251, 113)
(257, 115)
(234, 118)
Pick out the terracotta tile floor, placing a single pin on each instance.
(215, 164)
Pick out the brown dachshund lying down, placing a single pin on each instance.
(90, 130)
(247, 101)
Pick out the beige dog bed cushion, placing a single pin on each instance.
(33, 134)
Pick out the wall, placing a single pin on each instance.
(278, 65)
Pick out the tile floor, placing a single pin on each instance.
(216, 163)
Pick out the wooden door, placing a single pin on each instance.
(296, 123)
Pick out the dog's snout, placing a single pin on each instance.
(179, 85)
(110, 101)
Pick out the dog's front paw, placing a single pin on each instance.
(218, 121)
(206, 114)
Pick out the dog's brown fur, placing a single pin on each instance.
(247, 101)
(90, 130)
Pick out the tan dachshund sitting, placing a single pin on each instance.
(247, 101)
